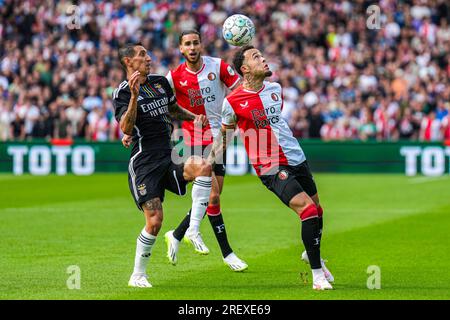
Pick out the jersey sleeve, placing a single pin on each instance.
(169, 90)
(228, 75)
(120, 104)
(282, 97)
(170, 80)
(228, 115)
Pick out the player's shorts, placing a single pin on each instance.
(150, 174)
(290, 181)
(219, 168)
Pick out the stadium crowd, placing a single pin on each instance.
(341, 79)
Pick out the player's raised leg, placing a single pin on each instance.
(305, 258)
(196, 169)
(218, 225)
(306, 209)
(153, 220)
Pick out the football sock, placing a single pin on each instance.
(320, 216)
(144, 245)
(216, 220)
(179, 232)
(310, 235)
(200, 197)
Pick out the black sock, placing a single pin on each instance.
(221, 235)
(311, 240)
(182, 227)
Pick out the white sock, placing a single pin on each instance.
(144, 245)
(200, 197)
(317, 274)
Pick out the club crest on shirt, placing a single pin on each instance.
(283, 175)
(211, 76)
(230, 71)
(142, 189)
(159, 88)
(274, 97)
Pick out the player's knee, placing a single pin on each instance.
(300, 202)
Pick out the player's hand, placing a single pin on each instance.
(200, 121)
(134, 84)
(126, 140)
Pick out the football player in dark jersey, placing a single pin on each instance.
(143, 106)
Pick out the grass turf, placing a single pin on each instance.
(397, 223)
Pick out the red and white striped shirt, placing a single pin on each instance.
(202, 92)
(266, 135)
(446, 127)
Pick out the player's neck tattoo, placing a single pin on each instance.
(253, 83)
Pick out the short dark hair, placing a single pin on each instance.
(127, 50)
(186, 32)
(238, 58)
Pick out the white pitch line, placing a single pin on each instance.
(428, 179)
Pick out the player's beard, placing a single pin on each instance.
(268, 73)
(192, 60)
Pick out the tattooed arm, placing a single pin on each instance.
(180, 113)
(128, 119)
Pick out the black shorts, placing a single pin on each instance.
(219, 168)
(149, 175)
(290, 181)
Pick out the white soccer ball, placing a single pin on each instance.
(238, 30)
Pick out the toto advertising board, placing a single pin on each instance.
(83, 158)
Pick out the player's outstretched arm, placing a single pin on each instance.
(180, 113)
(220, 143)
(129, 117)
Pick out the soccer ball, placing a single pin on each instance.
(238, 30)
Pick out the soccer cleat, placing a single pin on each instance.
(139, 281)
(196, 240)
(321, 284)
(235, 263)
(327, 272)
(172, 247)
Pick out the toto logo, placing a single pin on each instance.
(432, 160)
(42, 158)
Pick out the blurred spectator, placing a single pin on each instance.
(430, 128)
(76, 116)
(62, 127)
(40, 129)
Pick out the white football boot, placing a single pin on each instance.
(320, 283)
(196, 240)
(327, 272)
(172, 247)
(139, 281)
(235, 263)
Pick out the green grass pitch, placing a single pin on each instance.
(397, 223)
